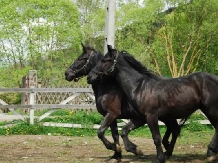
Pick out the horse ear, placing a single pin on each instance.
(110, 49)
(84, 48)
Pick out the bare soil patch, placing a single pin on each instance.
(61, 149)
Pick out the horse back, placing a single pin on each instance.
(179, 97)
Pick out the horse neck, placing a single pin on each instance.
(130, 80)
(104, 88)
(98, 56)
(95, 60)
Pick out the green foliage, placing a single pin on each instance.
(197, 116)
(41, 35)
(92, 22)
(133, 22)
(3, 123)
(195, 126)
(185, 38)
(46, 36)
(174, 41)
(11, 98)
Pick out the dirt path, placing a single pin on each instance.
(61, 149)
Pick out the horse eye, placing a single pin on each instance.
(83, 58)
(106, 60)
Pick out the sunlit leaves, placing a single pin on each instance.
(37, 33)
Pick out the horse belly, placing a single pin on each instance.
(177, 111)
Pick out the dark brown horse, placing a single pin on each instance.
(113, 104)
(161, 99)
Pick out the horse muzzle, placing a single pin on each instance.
(69, 76)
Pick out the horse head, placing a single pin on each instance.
(105, 68)
(83, 64)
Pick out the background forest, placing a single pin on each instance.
(170, 37)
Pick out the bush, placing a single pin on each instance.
(11, 98)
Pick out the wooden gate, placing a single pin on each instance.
(32, 106)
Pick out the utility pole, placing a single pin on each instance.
(110, 24)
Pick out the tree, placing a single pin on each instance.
(93, 14)
(134, 23)
(37, 35)
(176, 40)
(172, 37)
(184, 39)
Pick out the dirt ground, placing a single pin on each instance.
(61, 149)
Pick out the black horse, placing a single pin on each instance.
(162, 99)
(112, 104)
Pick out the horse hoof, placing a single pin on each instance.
(158, 161)
(113, 160)
(139, 152)
(167, 157)
(118, 148)
(211, 158)
(167, 154)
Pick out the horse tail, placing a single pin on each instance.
(181, 123)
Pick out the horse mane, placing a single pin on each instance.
(136, 65)
(99, 53)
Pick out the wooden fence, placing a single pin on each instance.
(32, 106)
(66, 103)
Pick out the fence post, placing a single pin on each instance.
(32, 101)
(32, 84)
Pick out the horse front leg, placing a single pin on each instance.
(131, 125)
(114, 130)
(110, 120)
(152, 121)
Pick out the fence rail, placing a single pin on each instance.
(49, 106)
(32, 106)
(35, 90)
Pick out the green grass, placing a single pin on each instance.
(87, 119)
(3, 123)
(79, 117)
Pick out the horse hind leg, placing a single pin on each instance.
(213, 146)
(129, 146)
(174, 128)
(212, 115)
(165, 140)
(213, 149)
